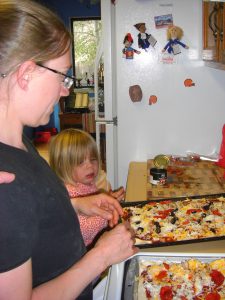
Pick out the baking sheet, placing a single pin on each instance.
(163, 244)
(121, 284)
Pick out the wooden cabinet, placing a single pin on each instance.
(68, 120)
(213, 33)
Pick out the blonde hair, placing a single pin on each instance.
(68, 149)
(179, 32)
(30, 31)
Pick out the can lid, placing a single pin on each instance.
(161, 161)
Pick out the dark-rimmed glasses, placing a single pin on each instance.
(68, 80)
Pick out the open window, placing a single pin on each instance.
(86, 34)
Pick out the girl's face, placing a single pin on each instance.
(87, 171)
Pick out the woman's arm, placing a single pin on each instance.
(17, 283)
(108, 250)
(102, 205)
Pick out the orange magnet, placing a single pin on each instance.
(188, 82)
(152, 99)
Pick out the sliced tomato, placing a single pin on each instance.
(212, 296)
(186, 222)
(166, 293)
(162, 214)
(162, 274)
(193, 210)
(217, 277)
(148, 294)
(166, 266)
(216, 212)
(165, 202)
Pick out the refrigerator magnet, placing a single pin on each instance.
(128, 51)
(174, 35)
(152, 99)
(135, 93)
(188, 82)
(144, 39)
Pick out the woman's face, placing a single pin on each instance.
(87, 171)
(46, 88)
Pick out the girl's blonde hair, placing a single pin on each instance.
(29, 31)
(68, 149)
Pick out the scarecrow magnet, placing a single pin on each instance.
(144, 39)
(128, 51)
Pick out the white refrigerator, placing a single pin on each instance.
(183, 117)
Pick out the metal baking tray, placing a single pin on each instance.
(121, 283)
(163, 244)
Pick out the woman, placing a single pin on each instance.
(42, 254)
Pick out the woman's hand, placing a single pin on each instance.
(6, 177)
(118, 194)
(101, 205)
(117, 244)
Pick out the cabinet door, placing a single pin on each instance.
(213, 30)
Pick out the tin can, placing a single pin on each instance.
(158, 176)
(161, 161)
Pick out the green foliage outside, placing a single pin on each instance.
(86, 39)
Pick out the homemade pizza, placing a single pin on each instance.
(190, 279)
(173, 221)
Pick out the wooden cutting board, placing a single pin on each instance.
(192, 179)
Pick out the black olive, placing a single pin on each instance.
(207, 206)
(137, 222)
(213, 230)
(157, 227)
(140, 229)
(173, 220)
(204, 215)
(199, 221)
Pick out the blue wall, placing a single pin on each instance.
(73, 8)
(67, 9)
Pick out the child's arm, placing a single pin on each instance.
(119, 194)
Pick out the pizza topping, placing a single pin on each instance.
(169, 221)
(217, 277)
(213, 296)
(185, 280)
(157, 227)
(166, 293)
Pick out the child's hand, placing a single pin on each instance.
(119, 194)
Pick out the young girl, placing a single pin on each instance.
(75, 159)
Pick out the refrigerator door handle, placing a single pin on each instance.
(104, 121)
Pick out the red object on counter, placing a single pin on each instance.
(42, 137)
(221, 161)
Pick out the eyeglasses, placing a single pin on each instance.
(68, 80)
